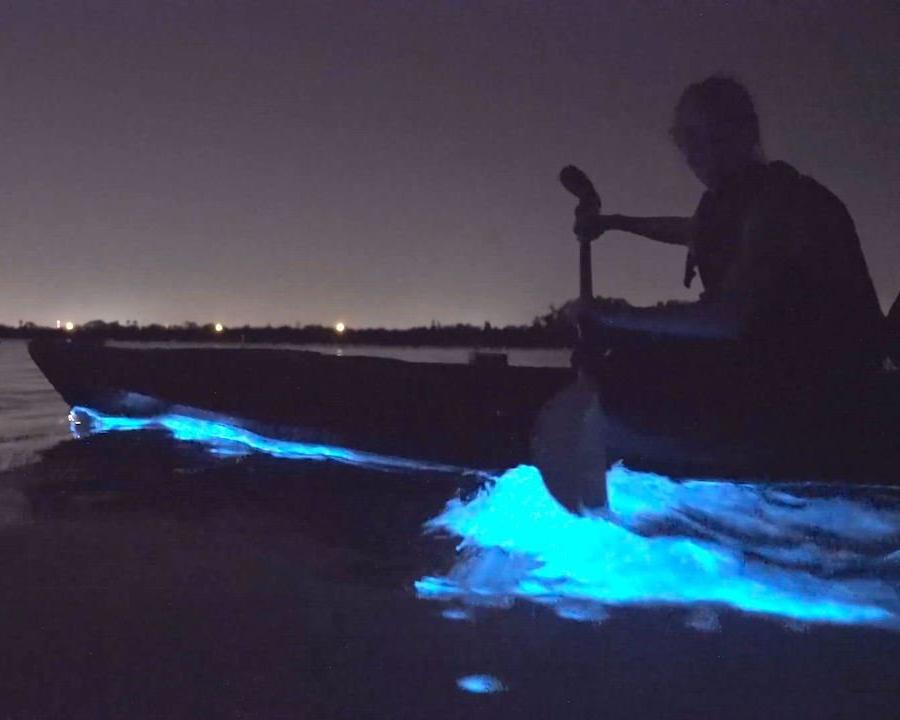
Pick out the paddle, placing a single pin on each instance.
(568, 443)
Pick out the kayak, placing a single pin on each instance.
(481, 415)
(475, 415)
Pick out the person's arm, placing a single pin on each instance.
(669, 230)
(772, 237)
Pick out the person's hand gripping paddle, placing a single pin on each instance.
(568, 444)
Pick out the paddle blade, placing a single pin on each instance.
(568, 446)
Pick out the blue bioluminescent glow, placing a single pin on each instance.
(480, 684)
(799, 556)
(697, 544)
(226, 439)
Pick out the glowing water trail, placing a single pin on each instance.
(227, 439)
(695, 544)
(692, 544)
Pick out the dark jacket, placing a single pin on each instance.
(782, 251)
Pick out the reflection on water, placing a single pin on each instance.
(790, 554)
(528, 357)
(32, 415)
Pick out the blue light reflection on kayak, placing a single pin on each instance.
(223, 438)
(782, 553)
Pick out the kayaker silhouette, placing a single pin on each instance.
(779, 347)
(777, 253)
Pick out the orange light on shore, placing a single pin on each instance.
(339, 327)
(70, 326)
(220, 327)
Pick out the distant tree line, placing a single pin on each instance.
(538, 334)
(550, 329)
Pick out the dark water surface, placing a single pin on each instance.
(145, 575)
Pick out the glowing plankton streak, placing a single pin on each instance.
(480, 684)
(224, 438)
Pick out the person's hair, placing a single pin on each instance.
(725, 98)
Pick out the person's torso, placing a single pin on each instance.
(718, 225)
(823, 300)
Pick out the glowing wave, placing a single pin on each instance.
(693, 544)
(226, 439)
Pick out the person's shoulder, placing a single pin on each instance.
(788, 190)
(785, 182)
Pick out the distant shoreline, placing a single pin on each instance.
(550, 330)
(534, 336)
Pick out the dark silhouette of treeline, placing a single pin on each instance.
(551, 329)
(550, 334)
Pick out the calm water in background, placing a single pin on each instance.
(143, 576)
(32, 415)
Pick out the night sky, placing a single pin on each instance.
(393, 163)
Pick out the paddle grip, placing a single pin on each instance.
(576, 182)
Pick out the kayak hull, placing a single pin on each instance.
(467, 415)
(482, 416)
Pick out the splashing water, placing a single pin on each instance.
(697, 544)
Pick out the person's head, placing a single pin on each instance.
(716, 128)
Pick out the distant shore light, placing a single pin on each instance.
(340, 327)
(219, 327)
(59, 324)
(70, 326)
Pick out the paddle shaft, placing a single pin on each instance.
(586, 282)
(568, 443)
